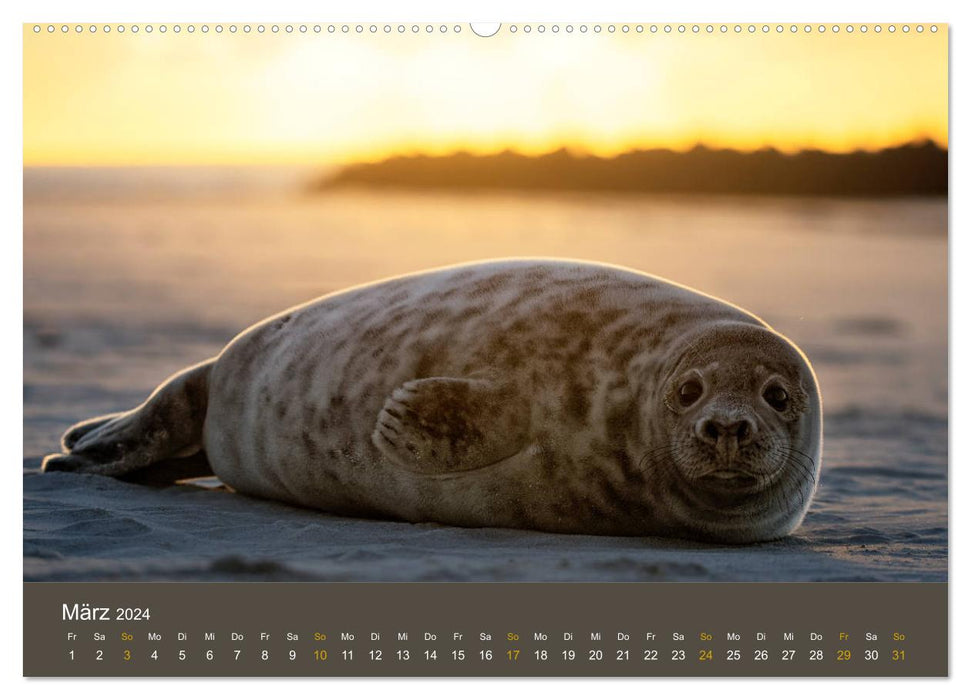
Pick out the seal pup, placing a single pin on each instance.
(553, 395)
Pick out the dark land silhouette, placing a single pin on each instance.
(907, 170)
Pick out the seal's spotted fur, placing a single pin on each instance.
(526, 394)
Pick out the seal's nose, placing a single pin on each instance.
(718, 430)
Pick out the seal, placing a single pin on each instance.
(553, 395)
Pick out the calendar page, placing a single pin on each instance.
(520, 349)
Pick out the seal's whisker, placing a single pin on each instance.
(793, 449)
(795, 460)
(808, 472)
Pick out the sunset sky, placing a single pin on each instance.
(161, 99)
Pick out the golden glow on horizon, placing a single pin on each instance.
(167, 99)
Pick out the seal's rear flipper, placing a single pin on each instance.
(79, 430)
(169, 424)
(443, 425)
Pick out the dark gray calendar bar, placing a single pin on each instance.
(485, 629)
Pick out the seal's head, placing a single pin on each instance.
(741, 433)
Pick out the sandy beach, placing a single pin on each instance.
(121, 290)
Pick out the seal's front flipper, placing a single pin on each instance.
(169, 424)
(443, 425)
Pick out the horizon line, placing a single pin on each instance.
(573, 150)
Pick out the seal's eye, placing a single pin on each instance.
(777, 397)
(690, 392)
